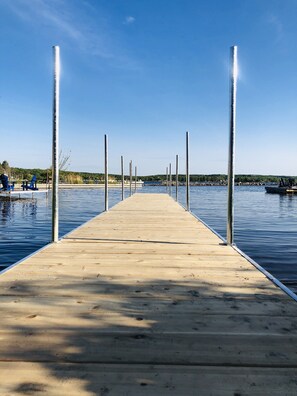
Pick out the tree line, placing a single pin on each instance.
(218, 178)
(44, 175)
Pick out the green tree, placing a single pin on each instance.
(5, 168)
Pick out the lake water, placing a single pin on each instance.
(265, 224)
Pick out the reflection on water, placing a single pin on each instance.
(265, 224)
(30, 209)
(6, 210)
(286, 204)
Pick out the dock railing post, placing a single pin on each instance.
(167, 179)
(135, 186)
(187, 173)
(233, 91)
(130, 166)
(176, 178)
(123, 179)
(106, 171)
(170, 179)
(55, 153)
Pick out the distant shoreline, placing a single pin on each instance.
(65, 186)
(86, 186)
(96, 180)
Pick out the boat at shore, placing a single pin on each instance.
(287, 186)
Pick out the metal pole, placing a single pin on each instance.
(167, 179)
(135, 179)
(123, 179)
(187, 173)
(233, 88)
(106, 171)
(176, 179)
(170, 179)
(130, 178)
(55, 155)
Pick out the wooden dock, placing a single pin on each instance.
(144, 300)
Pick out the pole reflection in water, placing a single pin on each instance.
(6, 210)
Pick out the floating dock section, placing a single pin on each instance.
(21, 194)
(144, 300)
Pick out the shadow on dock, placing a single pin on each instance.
(153, 337)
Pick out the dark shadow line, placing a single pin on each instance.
(154, 363)
(126, 240)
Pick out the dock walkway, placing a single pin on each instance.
(144, 300)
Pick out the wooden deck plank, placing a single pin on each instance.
(133, 346)
(144, 300)
(143, 380)
(146, 273)
(137, 305)
(77, 286)
(146, 322)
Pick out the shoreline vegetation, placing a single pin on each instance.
(96, 179)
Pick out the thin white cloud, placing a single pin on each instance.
(43, 11)
(277, 25)
(72, 21)
(129, 20)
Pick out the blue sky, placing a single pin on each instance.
(145, 71)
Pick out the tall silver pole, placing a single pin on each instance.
(233, 89)
(135, 187)
(130, 178)
(123, 179)
(55, 155)
(176, 179)
(187, 173)
(106, 171)
(167, 179)
(170, 179)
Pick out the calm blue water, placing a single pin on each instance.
(265, 224)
